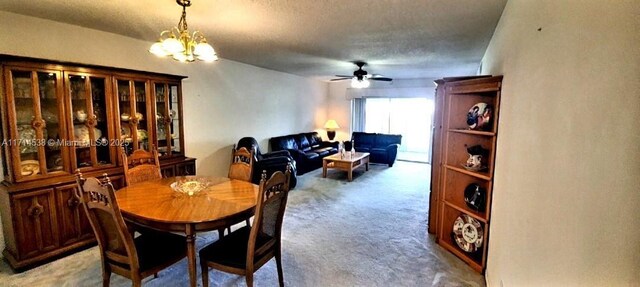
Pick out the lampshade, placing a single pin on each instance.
(331, 125)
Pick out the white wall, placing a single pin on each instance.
(223, 101)
(566, 203)
(339, 108)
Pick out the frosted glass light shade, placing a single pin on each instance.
(157, 50)
(204, 49)
(172, 45)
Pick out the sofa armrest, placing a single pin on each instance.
(272, 165)
(330, 144)
(392, 153)
(392, 147)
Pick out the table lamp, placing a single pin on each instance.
(331, 127)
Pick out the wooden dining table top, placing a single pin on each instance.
(155, 200)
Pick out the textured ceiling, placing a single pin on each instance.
(311, 38)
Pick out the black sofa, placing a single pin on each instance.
(383, 148)
(307, 149)
(269, 162)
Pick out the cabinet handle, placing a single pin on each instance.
(37, 124)
(92, 121)
(73, 202)
(35, 210)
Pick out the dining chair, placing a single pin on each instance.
(140, 166)
(245, 250)
(241, 167)
(121, 253)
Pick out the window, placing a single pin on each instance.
(410, 117)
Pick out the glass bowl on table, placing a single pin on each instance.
(191, 186)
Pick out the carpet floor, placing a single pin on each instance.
(369, 232)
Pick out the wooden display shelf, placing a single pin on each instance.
(448, 244)
(477, 215)
(455, 185)
(480, 175)
(473, 132)
(452, 139)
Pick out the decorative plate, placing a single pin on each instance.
(479, 116)
(468, 233)
(475, 196)
(29, 167)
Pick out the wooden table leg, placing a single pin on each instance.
(324, 168)
(351, 174)
(191, 255)
(366, 164)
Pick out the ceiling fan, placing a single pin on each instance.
(361, 78)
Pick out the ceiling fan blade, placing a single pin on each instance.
(340, 79)
(381, 79)
(344, 76)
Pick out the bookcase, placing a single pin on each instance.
(466, 123)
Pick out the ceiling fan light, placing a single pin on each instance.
(365, 83)
(157, 50)
(172, 45)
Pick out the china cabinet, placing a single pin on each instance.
(60, 117)
(465, 134)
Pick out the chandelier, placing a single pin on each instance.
(182, 45)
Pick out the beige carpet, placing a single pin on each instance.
(369, 232)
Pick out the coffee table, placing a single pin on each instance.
(347, 163)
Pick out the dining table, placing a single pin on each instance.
(157, 205)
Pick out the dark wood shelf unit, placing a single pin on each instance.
(45, 100)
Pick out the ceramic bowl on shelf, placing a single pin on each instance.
(125, 117)
(81, 134)
(81, 116)
(468, 233)
(142, 135)
(29, 167)
(473, 168)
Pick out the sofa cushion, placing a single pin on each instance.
(283, 143)
(383, 140)
(364, 139)
(311, 155)
(303, 143)
(363, 149)
(325, 150)
(314, 139)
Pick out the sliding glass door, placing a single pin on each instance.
(410, 117)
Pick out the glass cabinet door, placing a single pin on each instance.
(92, 145)
(175, 113)
(167, 119)
(134, 114)
(39, 125)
